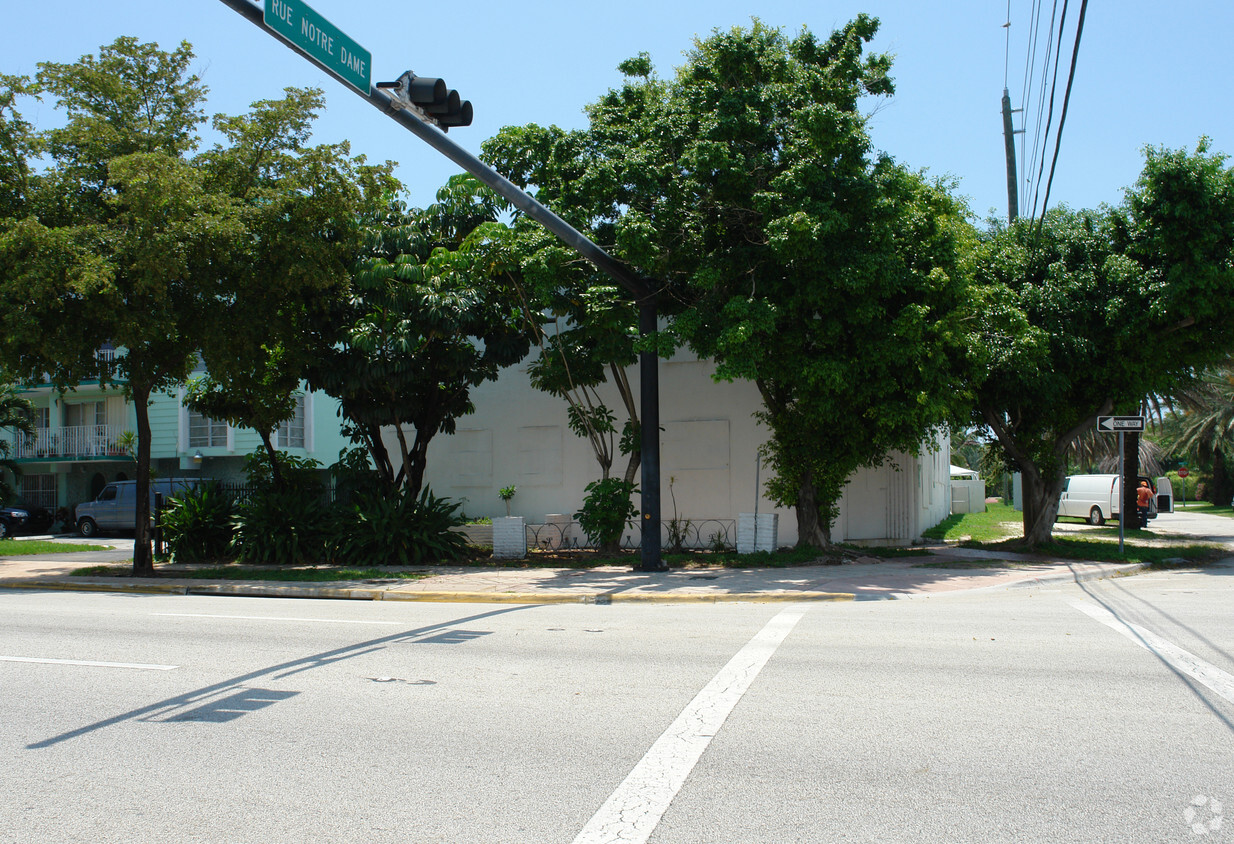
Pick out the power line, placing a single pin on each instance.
(1050, 114)
(1029, 157)
(1007, 49)
(1075, 51)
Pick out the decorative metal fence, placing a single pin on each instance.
(675, 535)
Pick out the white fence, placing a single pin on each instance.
(70, 442)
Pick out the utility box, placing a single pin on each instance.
(509, 538)
(757, 533)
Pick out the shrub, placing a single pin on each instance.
(198, 525)
(296, 471)
(398, 530)
(283, 527)
(606, 509)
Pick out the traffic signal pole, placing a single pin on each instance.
(639, 289)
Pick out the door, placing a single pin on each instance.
(1165, 496)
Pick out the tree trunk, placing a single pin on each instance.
(1040, 503)
(1221, 489)
(1131, 478)
(417, 461)
(143, 553)
(276, 473)
(810, 528)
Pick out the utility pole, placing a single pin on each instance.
(1009, 133)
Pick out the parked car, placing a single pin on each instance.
(1097, 497)
(24, 518)
(115, 508)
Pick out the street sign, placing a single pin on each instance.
(1120, 423)
(322, 41)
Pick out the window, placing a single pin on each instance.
(291, 432)
(205, 432)
(39, 490)
(85, 414)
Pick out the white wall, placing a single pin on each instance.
(709, 444)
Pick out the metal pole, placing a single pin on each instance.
(637, 287)
(758, 493)
(500, 185)
(649, 387)
(1122, 494)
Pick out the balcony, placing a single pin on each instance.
(69, 443)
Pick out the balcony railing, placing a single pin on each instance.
(68, 443)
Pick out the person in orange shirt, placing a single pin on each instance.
(1143, 499)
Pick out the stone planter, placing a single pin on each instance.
(481, 535)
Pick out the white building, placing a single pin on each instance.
(709, 461)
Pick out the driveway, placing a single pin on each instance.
(1200, 526)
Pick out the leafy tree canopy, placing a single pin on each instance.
(1087, 312)
(125, 237)
(431, 314)
(788, 252)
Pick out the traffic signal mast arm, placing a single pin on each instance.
(415, 117)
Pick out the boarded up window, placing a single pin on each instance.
(695, 458)
(471, 457)
(538, 454)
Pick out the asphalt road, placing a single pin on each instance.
(1094, 712)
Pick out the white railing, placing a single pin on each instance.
(69, 442)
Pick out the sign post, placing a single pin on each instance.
(1121, 424)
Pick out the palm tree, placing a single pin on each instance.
(15, 414)
(1208, 427)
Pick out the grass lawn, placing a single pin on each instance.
(1001, 528)
(999, 521)
(1205, 508)
(29, 547)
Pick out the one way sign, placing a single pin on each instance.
(1120, 423)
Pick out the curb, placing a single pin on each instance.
(89, 586)
(1030, 582)
(368, 594)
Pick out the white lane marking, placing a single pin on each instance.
(139, 665)
(273, 618)
(635, 808)
(1183, 661)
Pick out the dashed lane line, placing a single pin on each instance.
(89, 664)
(275, 618)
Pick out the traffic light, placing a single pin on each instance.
(431, 99)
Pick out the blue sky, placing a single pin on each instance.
(1146, 75)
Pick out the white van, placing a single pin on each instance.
(1097, 497)
(115, 509)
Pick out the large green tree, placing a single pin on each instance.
(431, 314)
(1085, 313)
(125, 238)
(788, 251)
(301, 207)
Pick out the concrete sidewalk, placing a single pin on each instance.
(867, 578)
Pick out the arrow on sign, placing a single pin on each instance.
(1120, 423)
